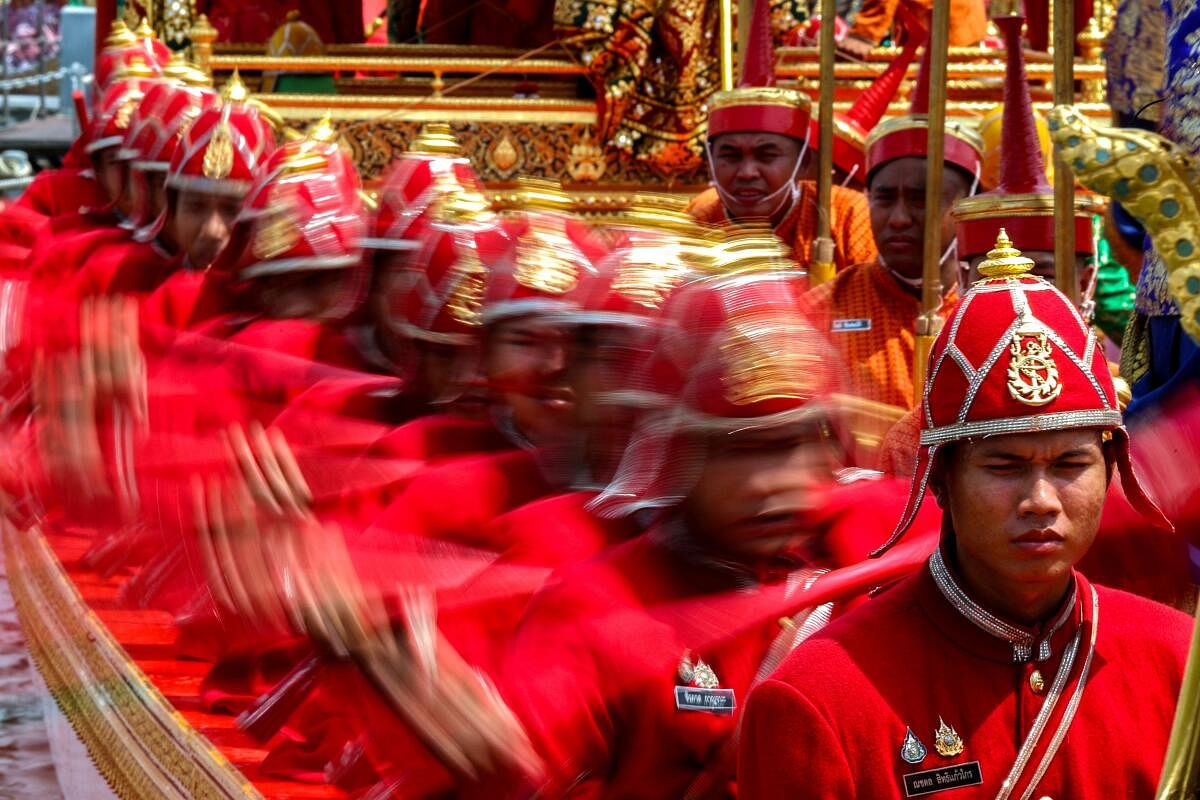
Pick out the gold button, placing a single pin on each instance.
(1037, 684)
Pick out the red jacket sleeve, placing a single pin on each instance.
(789, 750)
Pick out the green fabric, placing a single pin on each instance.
(1114, 290)
(305, 84)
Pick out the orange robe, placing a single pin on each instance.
(850, 223)
(871, 319)
(968, 19)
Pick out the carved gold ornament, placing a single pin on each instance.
(218, 156)
(1032, 374)
(276, 233)
(765, 359)
(544, 260)
(466, 298)
(947, 741)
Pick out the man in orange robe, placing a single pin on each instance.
(758, 137)
(872, 307)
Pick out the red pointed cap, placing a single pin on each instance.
(757, 105)
(907, 136)
(1015, 357)
(1023, 200)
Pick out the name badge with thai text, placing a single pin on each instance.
(955, 776)
(851, 325)
(714, 701)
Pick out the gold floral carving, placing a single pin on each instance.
(547, 151)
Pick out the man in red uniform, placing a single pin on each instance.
(1020, 677)
(630, 670)
(211, 171)
(872, 307)
(757, 143)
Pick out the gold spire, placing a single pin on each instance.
(436, 139)
(751, 249)
(234, 90)
(1004, 260)
(144, 31)
(323, 131)
(178, 68)
(134, 67)
(119, 35)
(539, 194)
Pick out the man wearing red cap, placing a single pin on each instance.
(211, 171)
(1020, 678)
(758, 137)
(1022, 201)
(64, 191)
(630, 670)
(871, 308)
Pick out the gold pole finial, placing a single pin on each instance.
(144, 31)
(234, 91)
(1004, 260)
(436, 139)
(324, 131)
(119, 35)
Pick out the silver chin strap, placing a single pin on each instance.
(790, 191)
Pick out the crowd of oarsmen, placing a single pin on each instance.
(514, 504)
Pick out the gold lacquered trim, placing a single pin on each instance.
(988, 206)
(326, 63)
(847, 131)
(759, 96)
(431, 109)
(888, 54)
(143, 747)
(958, 129)
(849, 70)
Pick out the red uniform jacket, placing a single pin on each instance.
(832, 720)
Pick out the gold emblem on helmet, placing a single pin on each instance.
(276, 232)
(218, 156)
(765, 358)
(1032, 374)
(466, 298)
(544, 260)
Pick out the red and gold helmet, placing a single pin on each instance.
(156, 130)
(123, 47)
(852, 130)
(1015, 356)
(305, 212)
(553, 257)
(735, 351)
(223, 151)
(433, 209)
(118, 106)
(905, 136)
(757, 105)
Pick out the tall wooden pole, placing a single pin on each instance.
(726, 45)
(1064, 180)
(929, 323)
(822, 269)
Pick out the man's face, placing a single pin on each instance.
(200, 225)
(751, 169)
(755, 488)
(112, 175)
(1043, 266)
(1025, 507)
(897, 200)
(312, 295)
(526, 368)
